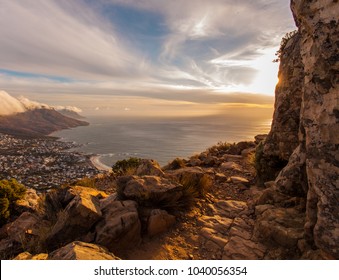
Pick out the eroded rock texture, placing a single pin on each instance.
(319, 28)
(313, 167)
(283, 137)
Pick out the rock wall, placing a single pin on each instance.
(283, 137)
(313, 167)
(317, 21)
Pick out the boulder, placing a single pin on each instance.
(82, 251)
(29, 256)
(25, 224)
(120, 227)
(74, 191)
(149, 167)
(239, 180)
(230, 165)
(150, 191)
(159, 222)
(194, 161)
(31, 202)
(22, 234)
(283, 226)
(195, 178)
(75, 220)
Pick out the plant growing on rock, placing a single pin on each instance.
(175, 164)
(283, 44)
(126, 166)
(10, 192)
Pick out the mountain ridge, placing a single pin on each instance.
(37, 122)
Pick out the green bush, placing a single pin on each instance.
(126, 166)
(283, 44)
(10, 192)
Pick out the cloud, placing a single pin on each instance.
(68, 108)
(194, 50)
(32, 105)
(10, 105)
(62, 38)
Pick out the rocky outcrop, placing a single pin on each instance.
(319, 27)
(31, 202)
(312, 170)
(82, 251)
(150, 191)
(149, 167)
(159, 221)
(22, 232)
(75, 220)
(120, 227)
(283, 137)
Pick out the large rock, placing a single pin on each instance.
(318, 24)
(284, 226)
(29, 256)
(120, 227)
(149, 167)
(75, 220)
(195, 178)
(27, 223)
(159, 221)
(82, 251)
(22, 234)
(150, 191)
(273, 155)
(31, 202)
(74, 191)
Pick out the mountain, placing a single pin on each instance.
(70, 113)
(38, 122)
(21, 116)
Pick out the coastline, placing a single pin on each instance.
(95, 160)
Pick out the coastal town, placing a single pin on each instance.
(42, 163)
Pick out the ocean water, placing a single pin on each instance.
(162, 139)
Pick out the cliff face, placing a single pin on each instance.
(319, 27)
(312, 168)
(283, 137)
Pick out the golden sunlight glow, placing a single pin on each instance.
(267, 76)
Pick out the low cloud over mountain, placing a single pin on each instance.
(29, 118)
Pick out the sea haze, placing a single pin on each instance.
(162, 139)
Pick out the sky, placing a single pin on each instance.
(143, 56)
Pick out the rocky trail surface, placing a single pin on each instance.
(206, 207)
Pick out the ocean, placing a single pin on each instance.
(162, 139)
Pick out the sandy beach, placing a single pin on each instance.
(95, 160)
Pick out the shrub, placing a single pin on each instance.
(10, 192)
(283, 44)
(175, 164)
(126, 166)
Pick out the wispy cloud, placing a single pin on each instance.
(192, 50)
(62, 38)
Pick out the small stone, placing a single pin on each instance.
(239, 180)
